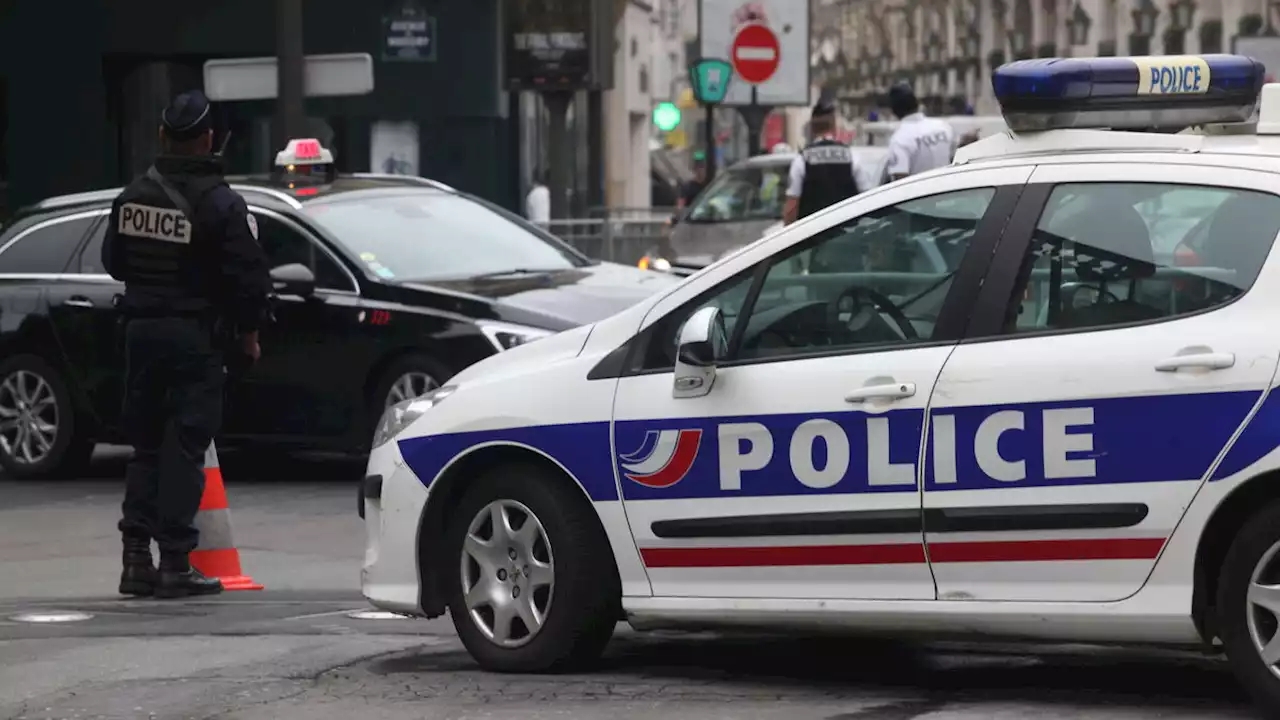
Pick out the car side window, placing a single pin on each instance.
(879, 279)
(90, 260)
(285, 245)
(46, 250)
(1107, 254)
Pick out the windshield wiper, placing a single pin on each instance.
(513, 271)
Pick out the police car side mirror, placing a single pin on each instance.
(701, 342)
(293, 279)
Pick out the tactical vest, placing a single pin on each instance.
(164, 253)
(828, 176)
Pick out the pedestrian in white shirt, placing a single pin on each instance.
(537, 204)
(920, 143)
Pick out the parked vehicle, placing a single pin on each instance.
(386, 286)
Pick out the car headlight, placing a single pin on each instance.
(654, 263)
(404, 413)
(505, 336)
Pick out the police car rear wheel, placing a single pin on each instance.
(1249, 606)
(535, 588)
(37, 421)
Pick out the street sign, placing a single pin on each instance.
(666, 116)
(256, 78)
(756, 53)
(409, 34)
(710, 80)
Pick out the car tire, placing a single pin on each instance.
(1253, 555)
(71, 448)
(414, 365)
(581, 605)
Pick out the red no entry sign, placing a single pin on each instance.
(755, 53)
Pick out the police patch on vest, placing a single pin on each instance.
(253, 225)
(828, 155)
(155, 223)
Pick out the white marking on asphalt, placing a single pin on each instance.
(331, 613)
(50, 617)
(377, 615)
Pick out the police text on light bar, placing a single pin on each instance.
(1162, 93)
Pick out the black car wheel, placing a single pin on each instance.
(1249, 607)
(406, 377)
(39, 432)
(534, 588)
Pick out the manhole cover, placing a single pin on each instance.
(54, 616)
(376, 615)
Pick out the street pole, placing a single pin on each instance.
(290, 111)
(709, 133)
(558, 151)
(595, 149)
(753, 115)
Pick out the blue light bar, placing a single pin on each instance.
(1166, 93)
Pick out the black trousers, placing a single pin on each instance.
(172, 410)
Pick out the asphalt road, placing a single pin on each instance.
(293, 651)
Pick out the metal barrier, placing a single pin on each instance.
(621, 235)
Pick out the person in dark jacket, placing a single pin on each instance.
(186, 248)
(825, 171)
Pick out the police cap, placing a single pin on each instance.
(187, 117)
(825, 106)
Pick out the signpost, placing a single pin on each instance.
(767, 45)
(756, 56)
(409, 34)
(709, 78)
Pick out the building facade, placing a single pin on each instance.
(948, 48)
(82, 84)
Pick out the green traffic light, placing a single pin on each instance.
(666, 116)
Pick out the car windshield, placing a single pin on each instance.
(757, 192)
(434, 235)
(753, 192)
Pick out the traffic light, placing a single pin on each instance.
(666, 116)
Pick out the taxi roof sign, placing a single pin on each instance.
(304, 151)
(1136, 93)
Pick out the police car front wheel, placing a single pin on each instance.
(535, 587)
(1248, 605)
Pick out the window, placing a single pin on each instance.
(285, 245)
(746, 193)
(877, 280)
(90, 262)
(432, 235)
(46, 250)
(1113, 253)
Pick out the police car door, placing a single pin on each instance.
(790, 468)
(1068, 440)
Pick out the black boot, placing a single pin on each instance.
(178, 579)
(139, 576)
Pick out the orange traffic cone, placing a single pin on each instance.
(217, 556)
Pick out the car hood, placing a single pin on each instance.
(566, 298)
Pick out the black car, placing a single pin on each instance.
(386, 286)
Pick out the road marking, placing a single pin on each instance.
(325, 614)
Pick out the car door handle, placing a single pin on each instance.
(78, 301)
(894, 391)
(1202, 361)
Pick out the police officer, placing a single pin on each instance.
(186, 248)
(824, 173)
(920, 143)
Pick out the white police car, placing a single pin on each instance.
(1066, 434)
